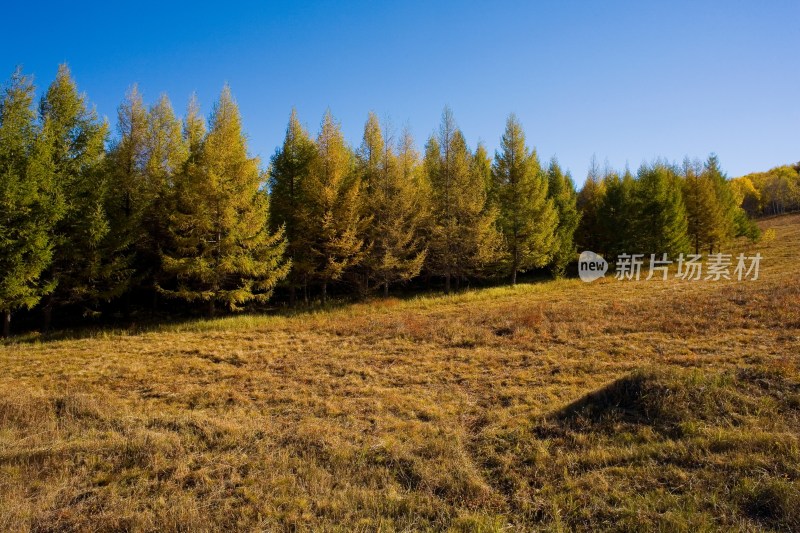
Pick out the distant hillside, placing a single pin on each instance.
(773, 192)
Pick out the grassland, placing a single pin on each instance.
(555, 406)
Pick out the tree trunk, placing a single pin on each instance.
(324, 292)
(447, 283)
(292, 297)
(385, 289)
(212, 308)
(305, 289)
(515, 266)
(6, 324)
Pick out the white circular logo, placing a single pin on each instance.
(591, 266)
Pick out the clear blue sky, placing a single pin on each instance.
(627, 81)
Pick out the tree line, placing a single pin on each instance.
(774, 192)
(176, 210)
(662, 208)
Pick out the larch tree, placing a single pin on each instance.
(28, 206)
(724, 228)
(703, 212)
(182, 235)
(482, 162)
(166, 157)
(332, 211)
(414, 170)
(528, 218)
(194, 131)
(147, 155)
(126, 201)
(86, 265)
(222, 251)
(394, 250)
(291, 165)
(561, 190)
(615, 215)
(463, 237)
(126, 162)
(659, 211)
(590, 198)
(167, 150)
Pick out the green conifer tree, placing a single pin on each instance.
(290, 166)
(222, 251)
(332, 212)
(724, 228)
(86, 265)
(463, 237)
(589, 233)
(126, 201)
(166, 158)
(659, 212)
(561, 190)
(616, 216)
(703, 211)
(28, 206)
(126, 161)
(528, 218)
(394, 250)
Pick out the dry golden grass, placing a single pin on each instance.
(562, 405)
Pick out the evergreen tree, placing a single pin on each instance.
(290, 166)
(528, 218)
(332, 211)
(167, 151)
(463, 239)
(414, 171)
(590, 198)
(126, 201)
(659, 212)
(222, 251)
(724, 228)
(194, 131)
(126, 161)
(146, 157)
(483, 167)
(703, 211)
(395, 252)
(86, 265)
(167, 154)
(616, 216)
(28, 207)
(745, 226)
(561, 190)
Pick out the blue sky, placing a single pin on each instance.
(627, 81)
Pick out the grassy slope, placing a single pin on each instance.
(563, 405)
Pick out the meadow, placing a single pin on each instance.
(561, 405)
